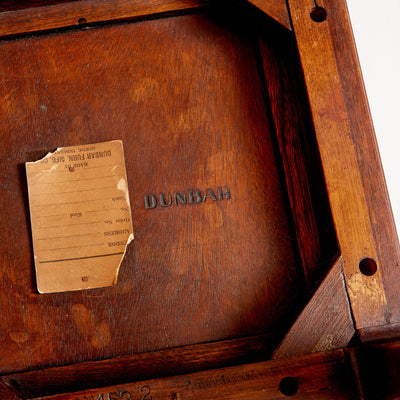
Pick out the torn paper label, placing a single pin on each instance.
(80, 216)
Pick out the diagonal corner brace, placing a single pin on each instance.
(276, 9)
(345, 189)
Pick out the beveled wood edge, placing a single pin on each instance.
(64, 15)
(369, 162)
(155, 9)
(288, 104)
(382, 333)
(316, 373)
(276, 9)
(142, 366)
(339, 162)
(325, 323)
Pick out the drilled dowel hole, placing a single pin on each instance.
(82, 21)
(289, 386)
(368, 266)
(318, 14)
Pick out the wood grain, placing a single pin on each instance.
(376, 195)
(276, 9)
(73, 13)
(189, 98)
(316, 237)
(137, 367)
(185, 95)
(8, 5)
(318, 376)
(6, 393)
(325, 323)
(380, 333)
(345, 190)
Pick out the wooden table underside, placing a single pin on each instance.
(313, 64)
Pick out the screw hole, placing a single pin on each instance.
(318, 14)
(368, 266)
(82, 21)
(289, 386)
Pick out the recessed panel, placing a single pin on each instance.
(214, 255)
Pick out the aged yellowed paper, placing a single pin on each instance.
(80, 216)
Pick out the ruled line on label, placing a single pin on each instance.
(70, 236)
(73, 247)
(79, 167)
(76, 191)
(81, 258)
(61, 226)
(83, 212)
(73, 202)
(77, 180)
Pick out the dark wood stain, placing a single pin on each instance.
(369, 163)
(193, 117)
(207, 288)
(137, 367)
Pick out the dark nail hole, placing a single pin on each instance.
(82, 21)
(318, 14)
(15, 383)
(368, 266)
(288, 386)
(71, 169)
(85, 278)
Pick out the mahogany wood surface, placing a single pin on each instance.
(380, 333)
(295, 134)
(277, 9)
(8, 5)
(194, 117)
(6, 393)
(55, 14)
(376, 195)
(344, 184)
(317, 376)
(78, 12)
(205, 104)
(137, 367)
(325, 322)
